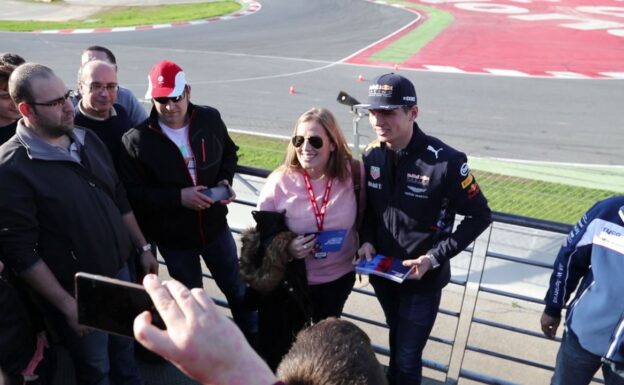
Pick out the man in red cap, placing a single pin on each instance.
(167, 162)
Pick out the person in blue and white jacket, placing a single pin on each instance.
(593, 253)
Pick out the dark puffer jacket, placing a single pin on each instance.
(277, 285)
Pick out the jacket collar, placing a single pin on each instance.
(37, 148)
(417, 143)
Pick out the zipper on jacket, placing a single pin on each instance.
(616, 339)
(394, 186)
(200, 215)
(202, 236)
(200, 218)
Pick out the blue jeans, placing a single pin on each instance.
(577, 366)
(100, 358)
(410, 317)
(221, 259)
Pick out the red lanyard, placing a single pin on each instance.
(318, 214)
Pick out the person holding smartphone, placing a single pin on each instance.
(203, 343)
(167, 163)
(315, 192)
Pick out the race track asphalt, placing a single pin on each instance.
(245, 67)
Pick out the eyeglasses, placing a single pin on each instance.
(99, 87)
(59, 102)
(315, 141)
(167, 99)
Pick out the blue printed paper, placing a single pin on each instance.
(387, 267)
(330, 240)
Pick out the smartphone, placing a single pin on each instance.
(217, 193)
(112, 305)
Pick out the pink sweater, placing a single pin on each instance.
(286, 192)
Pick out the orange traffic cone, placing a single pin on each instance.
(291, 90)
(360, 78)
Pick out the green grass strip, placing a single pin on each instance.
(556, 202)
(411, 43)
(131, 16)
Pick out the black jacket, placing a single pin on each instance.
(154, 172)
(17, 336)
(278, 287)
(66, 213)
(7, 132)
(412, 198)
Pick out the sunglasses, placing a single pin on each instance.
(315, 141)
(167, 99)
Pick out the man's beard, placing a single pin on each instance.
(58, 129)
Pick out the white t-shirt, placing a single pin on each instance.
(179, 136)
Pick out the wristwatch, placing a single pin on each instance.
(146, 247)
(433, 260)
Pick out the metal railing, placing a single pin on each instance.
(471, 289)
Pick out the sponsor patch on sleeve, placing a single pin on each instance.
(467, 181)
(473, 190)
(464, 170)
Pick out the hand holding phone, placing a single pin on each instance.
(200, 340)
(217, 193)
(112, 305)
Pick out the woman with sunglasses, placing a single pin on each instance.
(314, 191)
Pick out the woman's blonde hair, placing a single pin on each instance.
(339, 158)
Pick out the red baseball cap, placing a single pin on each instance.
(165, 79)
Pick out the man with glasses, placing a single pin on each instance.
(125, 97)
(167, 163)
(415, 186)
(64, 210)
(97, 109)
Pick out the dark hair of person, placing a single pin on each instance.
(12, 59)
(109, 54)
(20, 82)
(331, 352)
(340, 157)
(5, 73)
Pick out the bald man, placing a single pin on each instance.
(97, 110)
(136, 113)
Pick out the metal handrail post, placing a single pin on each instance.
(357, 115)
(468, 307)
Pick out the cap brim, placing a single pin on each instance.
(382, 106)
(166, 92)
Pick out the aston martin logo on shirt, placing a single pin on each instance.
(416, 190)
